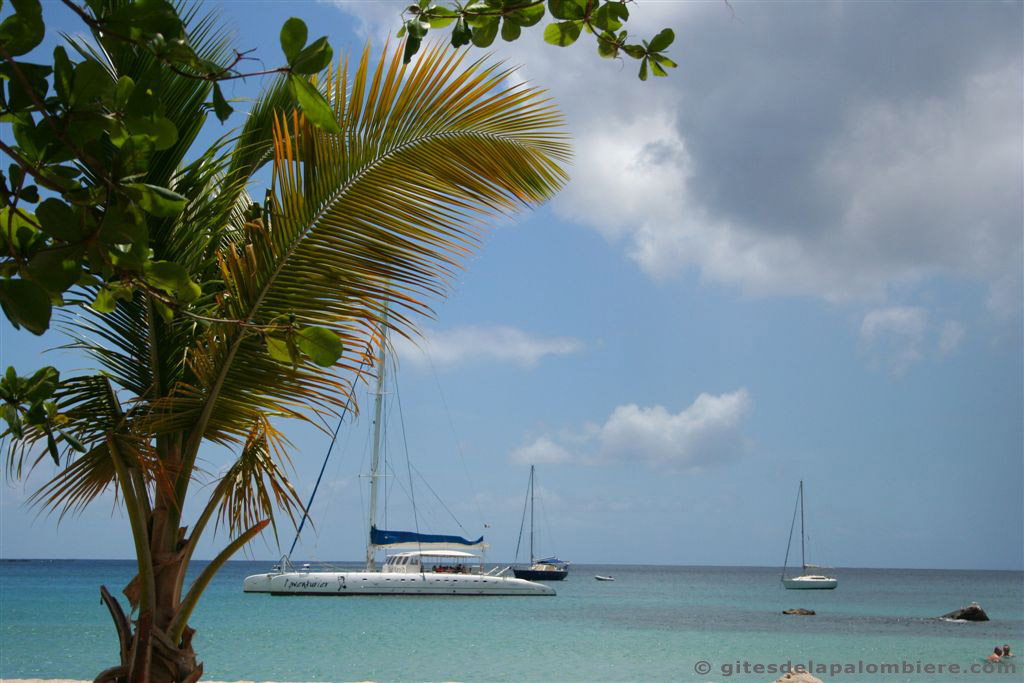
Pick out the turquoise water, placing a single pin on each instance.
(653, 623)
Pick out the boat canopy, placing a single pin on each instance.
(437, 553)
(408, 539)
(551, 560)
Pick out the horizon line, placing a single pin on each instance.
(584, 564)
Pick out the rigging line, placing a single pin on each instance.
(439, 499)
(803, 552)
(398, 481)
(458, 444)
(332, 492)
(385, 450)
(334, 437)
(522, 522)
(363, 508)
(405, 444)
(792, 525)
(803, 529)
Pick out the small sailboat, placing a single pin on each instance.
(806, 580)
(547, 569)
(433, 564)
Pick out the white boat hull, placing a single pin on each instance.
(377, 583)
(810, 583)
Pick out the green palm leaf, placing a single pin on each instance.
(379, 215)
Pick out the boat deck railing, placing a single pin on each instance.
(286, 565)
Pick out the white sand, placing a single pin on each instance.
(70, 680)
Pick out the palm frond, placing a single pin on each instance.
(257, 483)
(378, 216)
(95, 415)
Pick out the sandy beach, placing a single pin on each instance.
(71, 680)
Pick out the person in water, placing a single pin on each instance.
(1006, 651)
(996, 655)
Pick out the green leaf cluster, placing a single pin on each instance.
(28, 408)
(479, 22)
(91, 176)
(292, 344)
(303, 61)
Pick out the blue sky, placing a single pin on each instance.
(799, 257)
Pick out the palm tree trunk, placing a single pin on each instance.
(148, 653)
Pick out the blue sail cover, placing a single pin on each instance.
(383, 537)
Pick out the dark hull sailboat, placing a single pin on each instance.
(548, 569)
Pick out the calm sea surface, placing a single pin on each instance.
(653, 623)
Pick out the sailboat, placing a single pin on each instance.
(432, 564)
(806, 580)
(547, 569)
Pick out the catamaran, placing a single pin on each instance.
(806, 580)
(431, 564)
(546, 569)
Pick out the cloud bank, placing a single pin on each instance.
(707, 433)
(468, 344)
(830, 150)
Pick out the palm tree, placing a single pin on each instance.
(377, 216)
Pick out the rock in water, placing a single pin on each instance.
(802, 677)
(973, 612)
(799, 610)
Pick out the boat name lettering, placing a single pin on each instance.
(305, 584)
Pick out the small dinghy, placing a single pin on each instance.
(604, 578)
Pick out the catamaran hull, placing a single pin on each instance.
(375, 583)
(802, 583)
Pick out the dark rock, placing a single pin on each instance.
(973, 612)
(802, 677)
(799, 610)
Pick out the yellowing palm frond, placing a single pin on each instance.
(257, 483)
(379, 215)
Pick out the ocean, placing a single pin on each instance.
(654, 623)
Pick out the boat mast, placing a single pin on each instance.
(531, 514)
(375, 459)
(803, 557)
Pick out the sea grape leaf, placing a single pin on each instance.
(220, 106)
(158, 201)
(313, 104)
(293, 38)
(320, 344)
(26, 304)
(563, 34)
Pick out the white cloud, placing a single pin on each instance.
(786, 157)
(904, 321)
(893, 338)
(468, 344)
(899, 336)
(705, 434)
(377, 19)
(541, 451)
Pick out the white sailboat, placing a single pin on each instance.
(432, 564)
(806, 580)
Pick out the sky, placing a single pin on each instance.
(799, 257)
